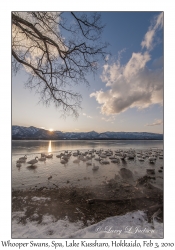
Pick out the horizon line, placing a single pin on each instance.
(87, 131)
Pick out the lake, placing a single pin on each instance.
(79, 174)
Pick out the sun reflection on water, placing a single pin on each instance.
(50, 147)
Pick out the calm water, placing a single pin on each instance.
(77, 174)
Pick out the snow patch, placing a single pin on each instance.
(35, 198)
(48, 228)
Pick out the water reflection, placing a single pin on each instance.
(50, 147)
(18, 167)
(75, 170)
(33, 168)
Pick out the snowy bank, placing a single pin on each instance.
(130, 225)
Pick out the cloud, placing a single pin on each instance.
(149, 36)
(109, 119)
(88, 116)
(155, 123)
(130, 85)
(76, 129)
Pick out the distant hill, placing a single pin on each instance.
(29, 133)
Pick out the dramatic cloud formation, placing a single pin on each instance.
(131, 85)
(155, 123)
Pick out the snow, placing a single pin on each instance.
(130, 225)
(39, 198)
(48, 228)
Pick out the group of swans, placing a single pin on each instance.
(33, 161)
(21, 160)
(102, 155)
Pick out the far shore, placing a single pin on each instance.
(103, 139)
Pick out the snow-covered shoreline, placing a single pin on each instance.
(131, 225)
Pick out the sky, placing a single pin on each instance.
(127, 91)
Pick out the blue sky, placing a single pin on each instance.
(127, 92)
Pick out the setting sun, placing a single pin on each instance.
(50, 129)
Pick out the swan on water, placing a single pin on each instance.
(140, 159)
(21, 161)
(97, 159)
(88, 163)
(42, 158)
(63, 160)
(112, 157)
(49, 156)
(95, 167)
(116, 160)
(18, 164)
(43, 154)
(104, 161)
(152, 159)
(33, 161)
(76, 160)
(131, 156)
(103, 156)
(23, 158)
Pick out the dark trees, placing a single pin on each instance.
(58, 50)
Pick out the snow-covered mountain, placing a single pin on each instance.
(19, 132)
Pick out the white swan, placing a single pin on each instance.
(115, 160)
(140, 159)
(33, 161)
(103, 156)
(82, 158)
(23, 158)
(112, 157)
(104, 161)
(95, 167)
(131, 156)
(88, 157)
(21, 161)
(75, 154)
(97, 159)
(88, 163)
(63, 161)
(43, 154)
(152, 159)
(76, 160)
(42, 158)
(49, 156)
(65, 157)
(18, 164)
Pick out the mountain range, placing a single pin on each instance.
(33, 133)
